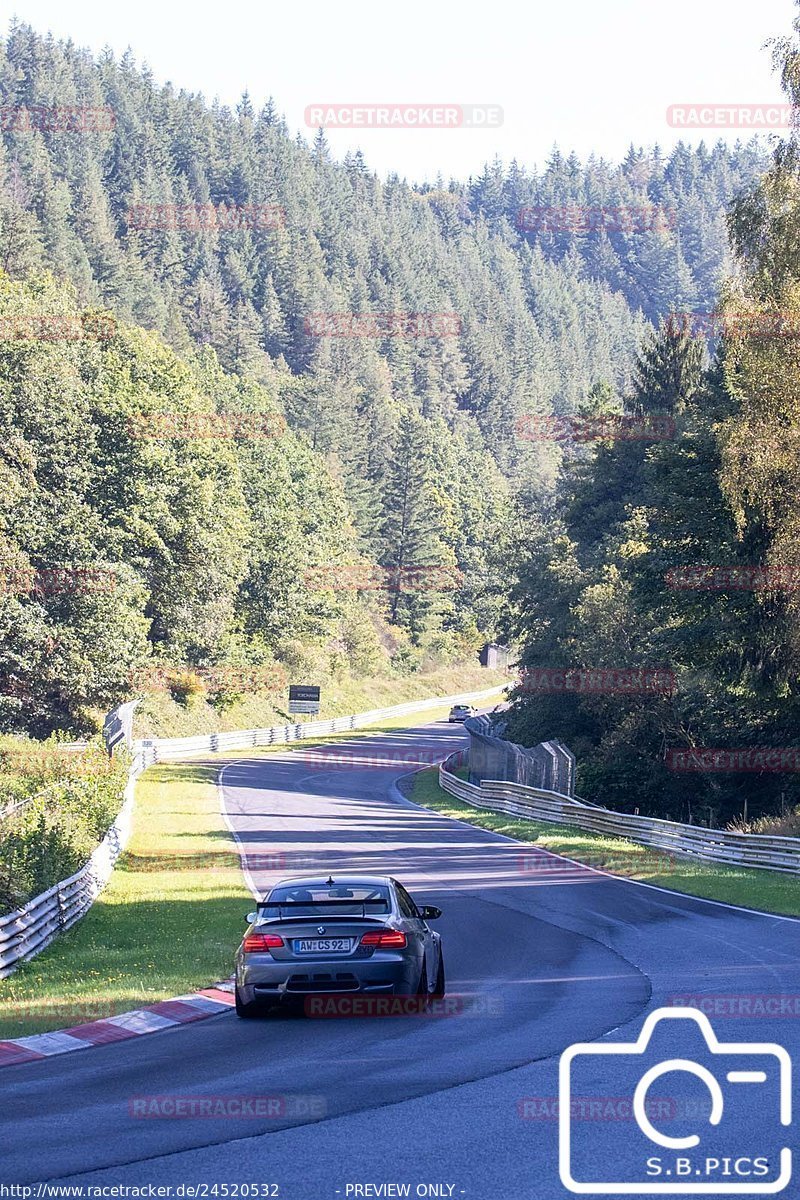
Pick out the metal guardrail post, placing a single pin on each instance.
(62, 914)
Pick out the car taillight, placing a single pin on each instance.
(385, 938)
(261, 941)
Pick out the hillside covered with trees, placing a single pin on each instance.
(388, 451)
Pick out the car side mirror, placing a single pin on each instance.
(251, 917)
(429, 912)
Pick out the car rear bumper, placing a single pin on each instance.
(281, 980)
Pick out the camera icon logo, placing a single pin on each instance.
(734, 1101)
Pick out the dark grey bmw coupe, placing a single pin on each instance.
(354, 933)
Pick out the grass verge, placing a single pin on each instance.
(167, 921)
(769, 891)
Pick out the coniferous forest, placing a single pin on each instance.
(387, 453)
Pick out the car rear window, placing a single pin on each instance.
(310, 901)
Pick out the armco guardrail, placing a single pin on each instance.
(164, 749)
(26, 932)
(689, 841)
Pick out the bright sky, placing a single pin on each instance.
(592, 75)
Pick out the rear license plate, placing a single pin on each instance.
(323, 945)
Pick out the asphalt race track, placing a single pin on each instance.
(544, 953)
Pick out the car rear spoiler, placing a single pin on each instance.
(364, 904)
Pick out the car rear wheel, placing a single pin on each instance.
(253, 1009)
